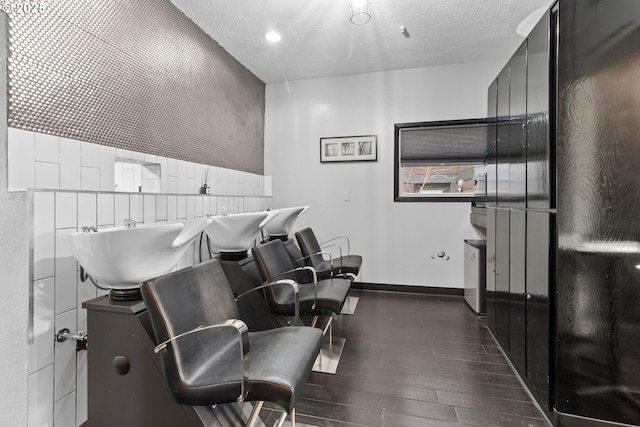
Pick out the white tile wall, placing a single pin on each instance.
(268, 191)
(182, 177)
(191, 207)
(66, 210)
(105, 209)
(65, 357)
(40, 399)
(77, 179)
(41, 351)
(149, 209)
(64, 411)
(136, 207)
(182, 207)
(90, 155)
(87, 210)
(47, 148)
(69, 164)
(172, 167)
(164, 175)
(21, 154)
(121, 209)
(172, 208)
(47, 175)
(43, 235)
(66, 272)
(82, 388)
(107, 171)
(161, 207)
(89, 178)
(44, 161)
(191, 170)
(123, 154)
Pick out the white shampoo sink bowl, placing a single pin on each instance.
(122, 258)
(281, 226)
(236, 233)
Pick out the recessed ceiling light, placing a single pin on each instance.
(273, 36)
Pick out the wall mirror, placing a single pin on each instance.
(136, 176)
(440, 161)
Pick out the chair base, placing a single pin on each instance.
(329, 357)
(245, 413)
(350, 305)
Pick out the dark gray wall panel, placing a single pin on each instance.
(137, 75)
(598, 153)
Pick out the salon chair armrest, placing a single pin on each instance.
(239, 325)
(243, 339)
(328, 253)
(323, 244)
(289, 282)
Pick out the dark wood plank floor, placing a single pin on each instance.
(416, 360)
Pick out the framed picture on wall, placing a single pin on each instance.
(349, 149)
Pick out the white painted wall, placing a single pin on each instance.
(396, 240)
(14, 265)
(14, 278)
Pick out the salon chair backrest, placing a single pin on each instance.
(182, 301)
(309, 246)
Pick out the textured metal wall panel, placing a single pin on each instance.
(137, 75)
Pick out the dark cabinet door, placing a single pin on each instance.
(502, 146)
(491, 268)
(502, 278)
(539, 272)
(517, 129)
(539, 153)
(492, 136)
(517, 286)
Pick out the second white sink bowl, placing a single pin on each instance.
(281, 226)
(123, 258)
(237, 232)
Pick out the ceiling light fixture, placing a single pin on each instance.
(360, 12)
(273, 36)
(526, 25)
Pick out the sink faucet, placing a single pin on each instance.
(130, 223)
(89, 229)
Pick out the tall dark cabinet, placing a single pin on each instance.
(563, 232)
(519, 247)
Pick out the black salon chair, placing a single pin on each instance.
(209, 357)
(345, 265)
(274, 264)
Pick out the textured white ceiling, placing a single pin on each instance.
(318, 40)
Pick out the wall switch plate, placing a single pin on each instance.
(347, 196)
